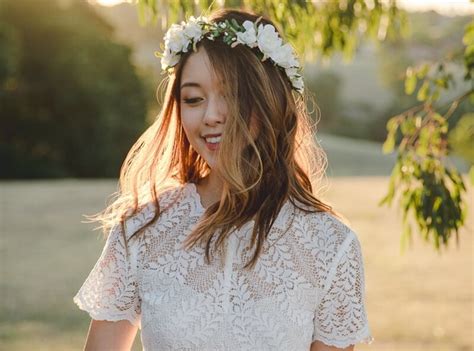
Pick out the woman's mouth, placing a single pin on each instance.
(212, 143)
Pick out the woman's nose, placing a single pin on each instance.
(215, 111)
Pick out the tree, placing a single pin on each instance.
(322, 28)
(71, 103)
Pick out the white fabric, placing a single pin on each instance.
(308, 283)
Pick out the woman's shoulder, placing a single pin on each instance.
(325, 230)
(167, 196)
(327, 242)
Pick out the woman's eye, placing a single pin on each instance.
(192, 100)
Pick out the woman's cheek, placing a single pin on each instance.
(191, 124)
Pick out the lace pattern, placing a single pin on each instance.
(110, 292)
(307, 285)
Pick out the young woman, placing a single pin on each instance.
(217, 240)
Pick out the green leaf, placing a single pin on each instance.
(471, 98)
(468, 38)
(234, 23)
(408, 126)
(424, 91)
(471, 175)
(389, 143)
(441, 82)
(410, 81)
(141, 11)
(392, 125)
(438, 118)
(437, 203)
(423, 71)
(387, 199)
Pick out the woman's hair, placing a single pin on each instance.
(259, 174)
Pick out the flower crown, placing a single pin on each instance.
(180, 38)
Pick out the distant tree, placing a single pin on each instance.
(322, 28)
(8, 53)
(327, 85)
(71, 103)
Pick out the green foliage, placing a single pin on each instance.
(468, 40)
(327, 86)
(410, 82)
(431, 190)
(461, 138)
(71, 103)
(9, 51)
(320, 28)
(431, 193)
(433, 81)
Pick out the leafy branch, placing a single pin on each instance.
(314, 28)
(431, 189)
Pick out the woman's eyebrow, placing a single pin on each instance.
(190, 84)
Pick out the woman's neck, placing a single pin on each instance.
(210, 189)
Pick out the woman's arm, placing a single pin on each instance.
(105, 335)
(319, 346)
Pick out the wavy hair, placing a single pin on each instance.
(284, 162)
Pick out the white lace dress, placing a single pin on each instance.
(308, 284)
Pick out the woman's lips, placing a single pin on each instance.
(212, 146)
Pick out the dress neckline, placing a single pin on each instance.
(196, 197)
(283, 216)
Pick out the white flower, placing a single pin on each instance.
(297, 83)
(295, 78)
(169, 59)
(291, 72)
(193, 29)
(175, 39)
(249, 37)
(284, 57)
(267, 39)
(178, 40)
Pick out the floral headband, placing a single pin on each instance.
(180, 38)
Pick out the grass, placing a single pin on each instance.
(419, 300)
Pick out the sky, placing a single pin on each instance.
(447, 7)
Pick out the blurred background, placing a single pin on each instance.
(78, 85)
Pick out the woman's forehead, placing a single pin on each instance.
(198, 70)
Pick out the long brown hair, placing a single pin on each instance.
(284, 162)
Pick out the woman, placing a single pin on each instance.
(217, 240)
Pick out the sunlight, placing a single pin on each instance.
(109, 2)
(453, 7)
(450, 7)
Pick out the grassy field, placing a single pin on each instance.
(421, 300)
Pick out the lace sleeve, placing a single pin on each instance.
(340, 319)
(110, 292)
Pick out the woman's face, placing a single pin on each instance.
(203, 107)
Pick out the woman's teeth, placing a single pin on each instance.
(213, 140)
